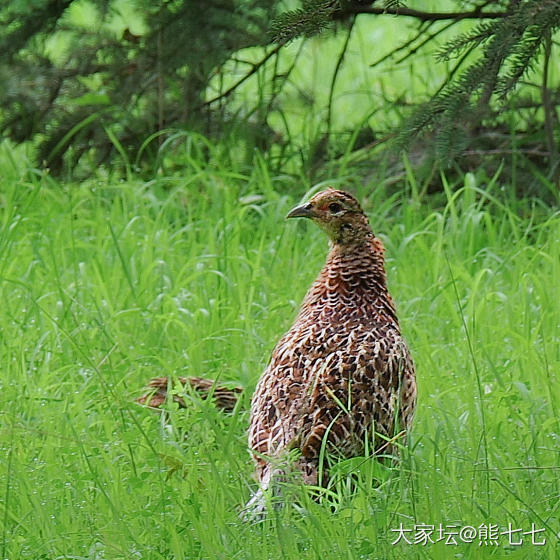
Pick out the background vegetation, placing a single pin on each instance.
(169, 255)
(88, 81)
(106, 285)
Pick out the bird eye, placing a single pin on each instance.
(335, 207)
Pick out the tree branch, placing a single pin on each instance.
(451, 74)
(253, 70)
(421, 31)
(546, 101)
(426, 40)
(335, 74)
(423, 16)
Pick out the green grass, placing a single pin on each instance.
(106, 284)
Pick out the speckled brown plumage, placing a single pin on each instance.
(343, 370)
(157, 392)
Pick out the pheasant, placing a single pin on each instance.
(343, 373)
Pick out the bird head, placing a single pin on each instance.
(338, 213)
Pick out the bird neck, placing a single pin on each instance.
(354, 279)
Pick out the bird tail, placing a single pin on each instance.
(159, 388)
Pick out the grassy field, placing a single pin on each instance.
(106, 284)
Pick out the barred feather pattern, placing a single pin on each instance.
(343, 371)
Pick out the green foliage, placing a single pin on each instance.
(510, 47)
(497, 79)
(313, 17)
(22, 19)
(139, 67)
(105, 285)
(93, 82)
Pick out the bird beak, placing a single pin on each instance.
(303, 211)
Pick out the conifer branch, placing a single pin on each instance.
(421, 15)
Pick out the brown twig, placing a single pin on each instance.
(335, 74)
(507, 151)
(159, 67)
(253, 70)
(429, 38)
(422, 29)
(279, 80)
(424, 16)
(546, 102)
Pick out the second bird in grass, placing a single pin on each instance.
(343, 371)
(342, 375)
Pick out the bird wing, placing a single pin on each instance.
(333, 379)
